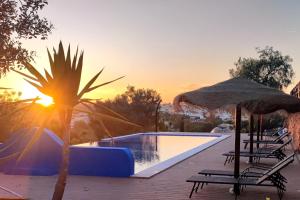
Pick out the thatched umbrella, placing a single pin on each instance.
(242, 93)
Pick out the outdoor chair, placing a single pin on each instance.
(272, 133)
(276, 140)
(260, 153)
(270, 177)
(252, 171)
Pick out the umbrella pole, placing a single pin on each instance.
(251, 137)
(238, 112)
(261, 127)
(258, 130)
(157, 116)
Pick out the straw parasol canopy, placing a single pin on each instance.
(255, 97)
(242, 93)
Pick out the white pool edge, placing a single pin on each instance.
(160, 167)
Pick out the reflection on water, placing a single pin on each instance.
(149, 150)
(143, 147)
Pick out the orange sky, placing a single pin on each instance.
(170, 46)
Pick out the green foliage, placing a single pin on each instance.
(271, 68)
(273, 120)
(201, 126)
(82, 132)
(10, 96)
(20, 20)
(169, 122)
(270, 121)
(198, 126)
(175, 121)
(245, 127)
(138, 105)
(8, 118)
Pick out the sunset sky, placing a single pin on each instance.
(168, 45)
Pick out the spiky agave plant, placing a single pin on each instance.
(62, 84)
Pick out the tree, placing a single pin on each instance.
(271, 68)
(9, 119)
(62, 83)
(137, 105)
(20, 20)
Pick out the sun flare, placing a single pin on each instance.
(45, 100)
(29, 92)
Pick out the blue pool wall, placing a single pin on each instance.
(44, 157)
(101, 161)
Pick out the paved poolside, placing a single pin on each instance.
(169, 184)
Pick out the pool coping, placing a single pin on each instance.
(160, 167)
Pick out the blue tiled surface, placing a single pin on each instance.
(44, 157)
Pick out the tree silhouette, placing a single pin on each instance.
(271, 68)
(62, 83)
(138, 105)
(20, 20)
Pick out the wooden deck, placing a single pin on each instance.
(169, 184)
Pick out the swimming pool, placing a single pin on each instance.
(155, 152)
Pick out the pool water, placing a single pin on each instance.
(151, 149)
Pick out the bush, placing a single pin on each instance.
(137, 105)
(9, 119)
(82, 132)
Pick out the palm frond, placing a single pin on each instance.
(36, 73)
(95, 87)
(107, 133)
(68, 60)
(52, 66)
(27, 76)
(48, 76)
(39, 87)
(105, 108)
(104, 116)
(89, 84)
(74, 60)
(77, 69)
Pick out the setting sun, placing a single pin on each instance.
(29, 92)
(45, 100)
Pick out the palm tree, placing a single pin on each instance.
(62, 84)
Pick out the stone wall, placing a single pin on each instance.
(293, 124)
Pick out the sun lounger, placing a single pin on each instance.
(260, 153)
(277, 140)
(270, 177)
(273, 133)
(252, 171)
